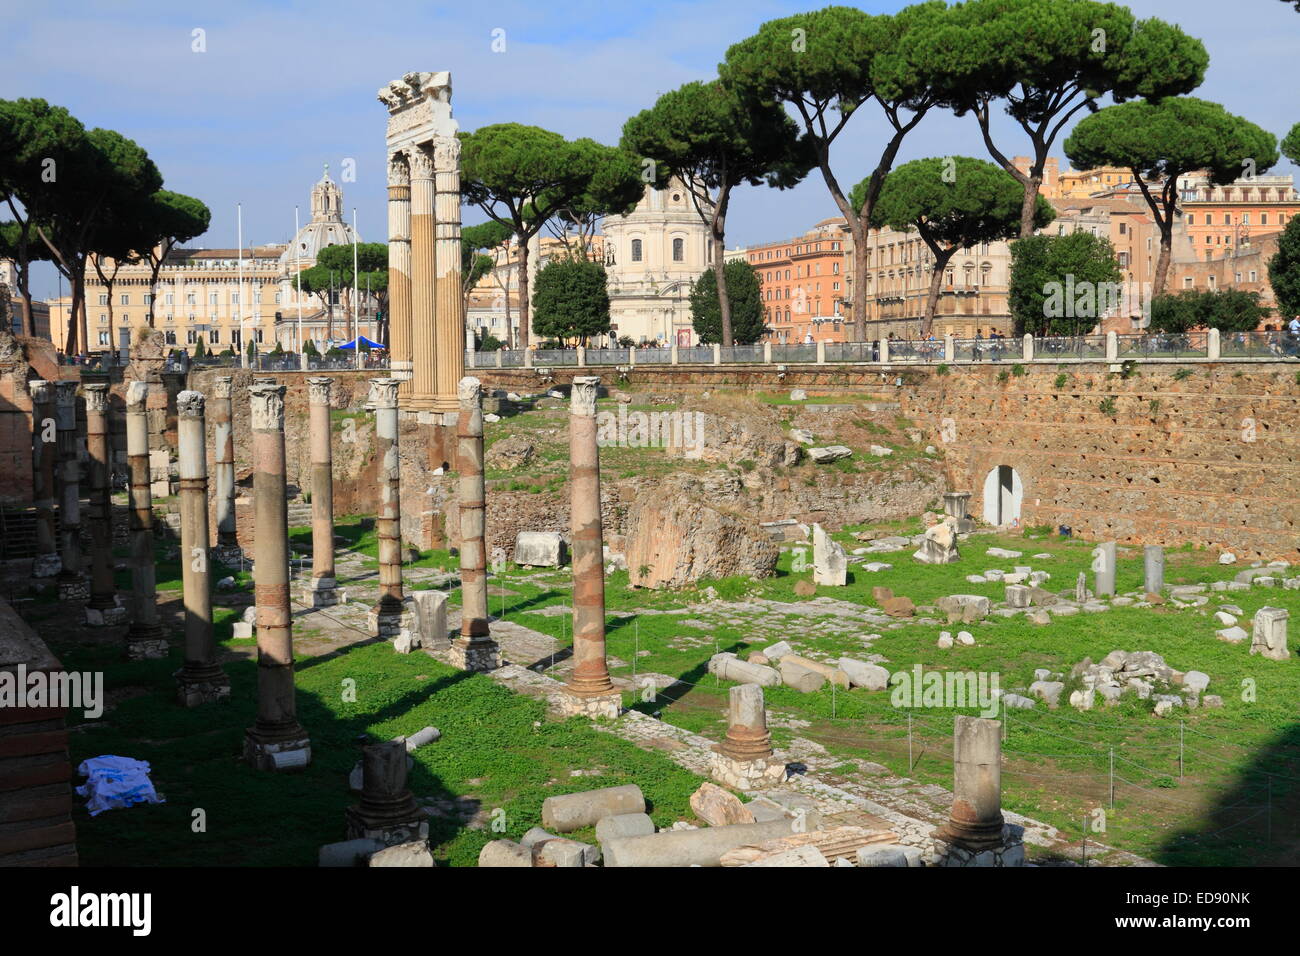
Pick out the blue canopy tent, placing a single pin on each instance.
(360, 339)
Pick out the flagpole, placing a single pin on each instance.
(297, 266)
(243, 345)
(356, 302)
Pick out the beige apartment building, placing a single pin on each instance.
(225, 298)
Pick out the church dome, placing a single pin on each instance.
(326, 227)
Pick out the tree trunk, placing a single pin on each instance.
(941, 259)
(524, 310)
(1162, 259)
(1029, 205)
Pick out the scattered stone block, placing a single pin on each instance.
(1233, 635)
(822, 456)
(348, 852)
(623, 825)
(728, 666)
(888, 855)
(505, 853)
(868, 676)
(572, 811)
(718, 807)
(795, 856)
(540, 549)
(899, 607)
(1047, 690)
(404, 854)
(803, 679)
(830, 563)
(1269, 637)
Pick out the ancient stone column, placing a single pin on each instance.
(71, 580)
(387, 811)
(589, 690)
(423, 279)
(145, 638)
(102, 609)
(474, 650)
(973, 835)
(449, 300)
(744, 760)
(1153, 568)
(44, 453)
(399, 270)
(386, 618)
(200, 679)
(223, 443)
(322, 590)
(276, 741)
(1103, 568)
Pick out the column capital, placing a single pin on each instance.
(42, 391)
(190, 404)
(446, 153)
(320, 389)
(421, 162)
(267, 404)
(582, 397)
(137, 393)
(96, 397)
(470, 392)
(383, 393)
(399, 169)
(223, 386)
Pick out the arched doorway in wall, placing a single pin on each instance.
(1003, 494)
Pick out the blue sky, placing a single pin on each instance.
(286, 87)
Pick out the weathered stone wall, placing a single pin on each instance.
(1173, 472)
(1211, 459)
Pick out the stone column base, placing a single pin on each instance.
(388, 624)
(146, 648)
(387, 833)
(574, 705)
(291, 754)
(1009, 851)
(194, 692)
(476, 654)
(320, 592)
(757, 774)
(46, 565)
(105, 616)
(74, 589)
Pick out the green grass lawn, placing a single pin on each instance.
(1233, 803)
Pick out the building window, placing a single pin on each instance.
(191, 336)
(679, 250)
(636, 250)
(214, 336)
(190, 299)
(124, 299)
(1227, 219)
(1245, 219)
(1123, 228)
(103, 338)
(171, 299)
(103, 299)
(171, 337)
(1263, 219)
(1253, 274)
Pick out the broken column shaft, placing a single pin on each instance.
(145, 638)
(744, 760)
(201, 678)
(387, 811)
(71, 581)
(387, 615)
(589, 690)
(276, 741)
(44, 453)
(474, 650)
(974, 834)
(102, 609)
(223, 445)
(322, 590)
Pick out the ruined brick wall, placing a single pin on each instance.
(36, 827)
(1209, 459)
